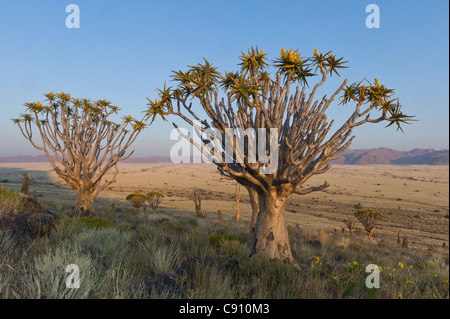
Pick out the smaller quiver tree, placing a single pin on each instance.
(350, 225)
(81, 142)
(197, 197)
(369, 219)
(137, 200)
(154, 199)
(237, 214)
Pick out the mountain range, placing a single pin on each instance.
(373, 156)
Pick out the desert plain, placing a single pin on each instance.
(415, 198)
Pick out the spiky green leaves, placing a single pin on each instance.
(328, 62)
(160, 106)
(378, 96)
(199, 81)
(292, 64)
(74, 109)
(253, 62)
(396, 115)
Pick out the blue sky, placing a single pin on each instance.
(124, 50)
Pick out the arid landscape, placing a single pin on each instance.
(414, 197)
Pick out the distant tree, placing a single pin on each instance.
(249, 99)
(154, 199)
(196, 196)
(137, 200)
(350, 225)
(237, 214)
(369, 219)
(80, 141)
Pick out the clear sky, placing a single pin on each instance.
(124, 50)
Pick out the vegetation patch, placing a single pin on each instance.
(217, 240)
(96, 222)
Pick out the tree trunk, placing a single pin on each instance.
(254, 201)
(84, 204)
(269, 235)
(370, 233)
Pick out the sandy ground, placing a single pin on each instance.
(415, 198)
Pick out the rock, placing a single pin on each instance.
(166, 282)
(30, 206)
(26, 226)
(15, 224)
(40, 224)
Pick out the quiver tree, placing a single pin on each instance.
(197, 197)
(237, 214)
(369, 219)
(350, 225)
(80, 141)
(137, 200)
(249, 101)
(154, 199)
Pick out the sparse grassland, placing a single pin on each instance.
(122, 247)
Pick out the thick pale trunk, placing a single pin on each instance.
(269, 235)
(85, 203)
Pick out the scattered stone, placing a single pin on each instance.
(40, 225)
(30, 206)
(15, 224)
(166, 282)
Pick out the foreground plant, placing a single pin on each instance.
(80, 141)
(249, 99)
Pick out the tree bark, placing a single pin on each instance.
(269, 235)
(85, 203)
(254, 201)
(370, 233)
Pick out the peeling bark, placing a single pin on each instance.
(84, 203)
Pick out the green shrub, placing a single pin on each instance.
(217, 240)
(88, 222)
(47, 278)
(107, 246)
(164, 259)
(9, 200)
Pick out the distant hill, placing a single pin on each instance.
(389, 156)
(350, 157)
(43, 158)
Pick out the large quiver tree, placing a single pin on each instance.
(251, 99)
(80, 141)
